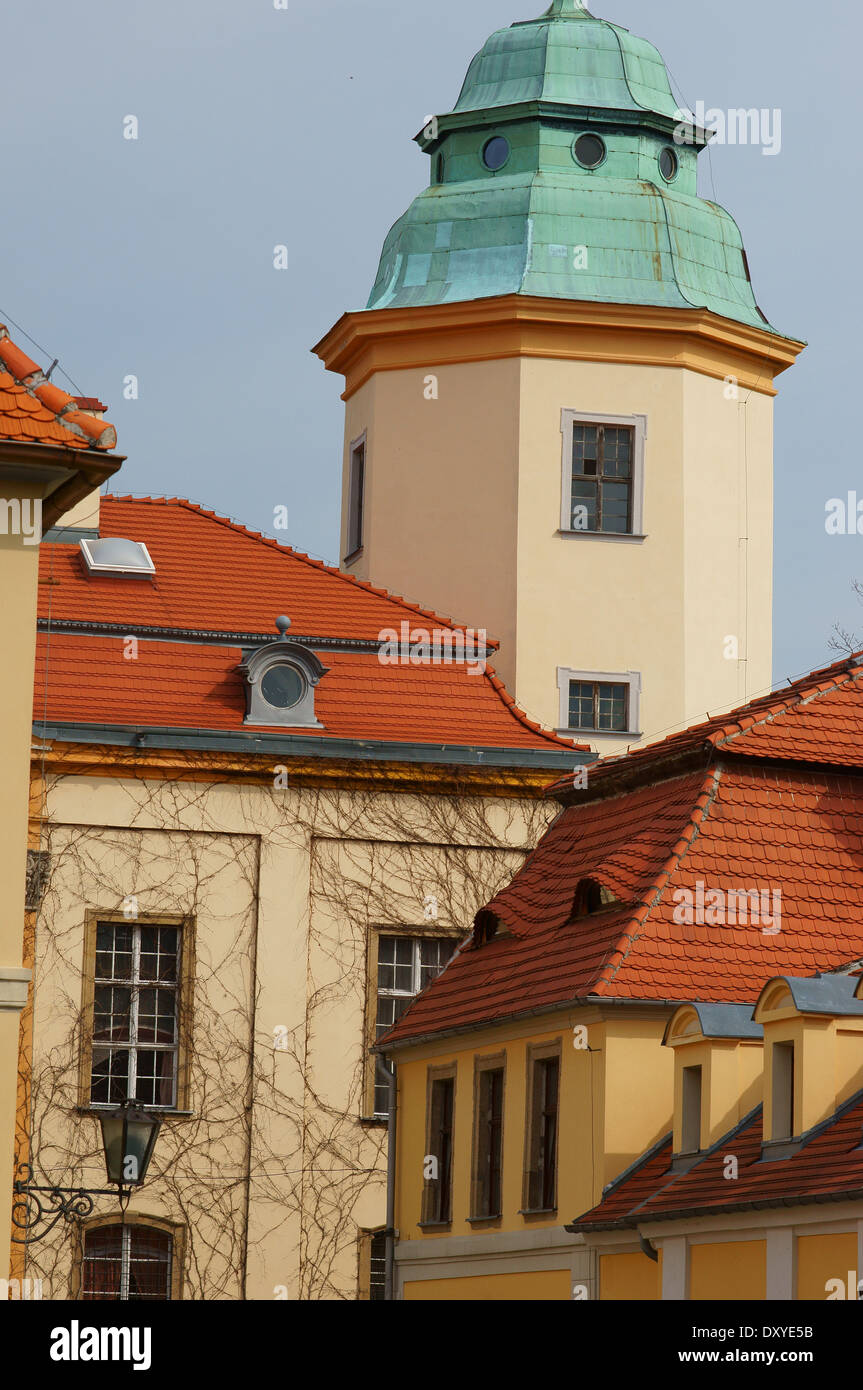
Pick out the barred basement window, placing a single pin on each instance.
(127, 1262)
(378, 1268)
(406, 964)
(135, 1015)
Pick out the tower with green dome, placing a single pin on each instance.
(559, 393)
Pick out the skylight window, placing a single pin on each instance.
(116, 555)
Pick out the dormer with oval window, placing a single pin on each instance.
(280, 682)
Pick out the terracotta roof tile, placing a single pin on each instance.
(214, 576)
(828, 1165)
(758, 812)
(33, 408)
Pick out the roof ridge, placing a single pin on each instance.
(775, 712)
(652, 895)
(516, 710)
(270, 541)
(97, 434)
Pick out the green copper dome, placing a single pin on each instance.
(520, 203)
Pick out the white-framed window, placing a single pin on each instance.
(135, 1040)
(356, 496)
(602, 484)
(406, 964)
(599, 702)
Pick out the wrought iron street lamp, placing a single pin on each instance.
(129, 1136)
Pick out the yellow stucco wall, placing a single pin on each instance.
(631, 1277)
(545, 1285)
(615, 1101)
(728, 1271)
(824, 1257)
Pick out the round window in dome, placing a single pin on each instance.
(589, 150)
(282, 686)
(668, 165)
(495, 153)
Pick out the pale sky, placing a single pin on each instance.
(260, 127)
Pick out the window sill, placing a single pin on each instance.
(598, 733)
(538, 1211)
(485, 1220)
(354, 555)
(435, 1225)
(603, 535)
(161, 1111)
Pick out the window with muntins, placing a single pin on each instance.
(602, 470)
(406, 964)
(599, 705)
(127, 1262)
(135, 1042)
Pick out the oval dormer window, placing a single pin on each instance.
(282, 686)
(495, 153)
(589, 150)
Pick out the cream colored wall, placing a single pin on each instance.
(463, 512)
(727, 435)
(441, 492)
(551, 1285)
(19, 565)
(293, 881)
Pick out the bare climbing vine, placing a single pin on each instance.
(276, 1167)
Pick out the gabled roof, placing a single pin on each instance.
(217, 590)
(34, 410)
(827, 1167)
(757, 800)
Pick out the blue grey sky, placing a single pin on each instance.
(260, 127)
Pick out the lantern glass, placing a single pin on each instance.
(128, 1137)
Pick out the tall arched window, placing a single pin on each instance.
(127, 1262)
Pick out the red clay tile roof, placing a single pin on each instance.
(34, 410)
(828, 1166)
(814, 719)
(742, 812)
(213, 575)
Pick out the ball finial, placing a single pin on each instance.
(282, 625)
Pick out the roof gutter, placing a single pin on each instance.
(628, 1223)
(286, 745)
